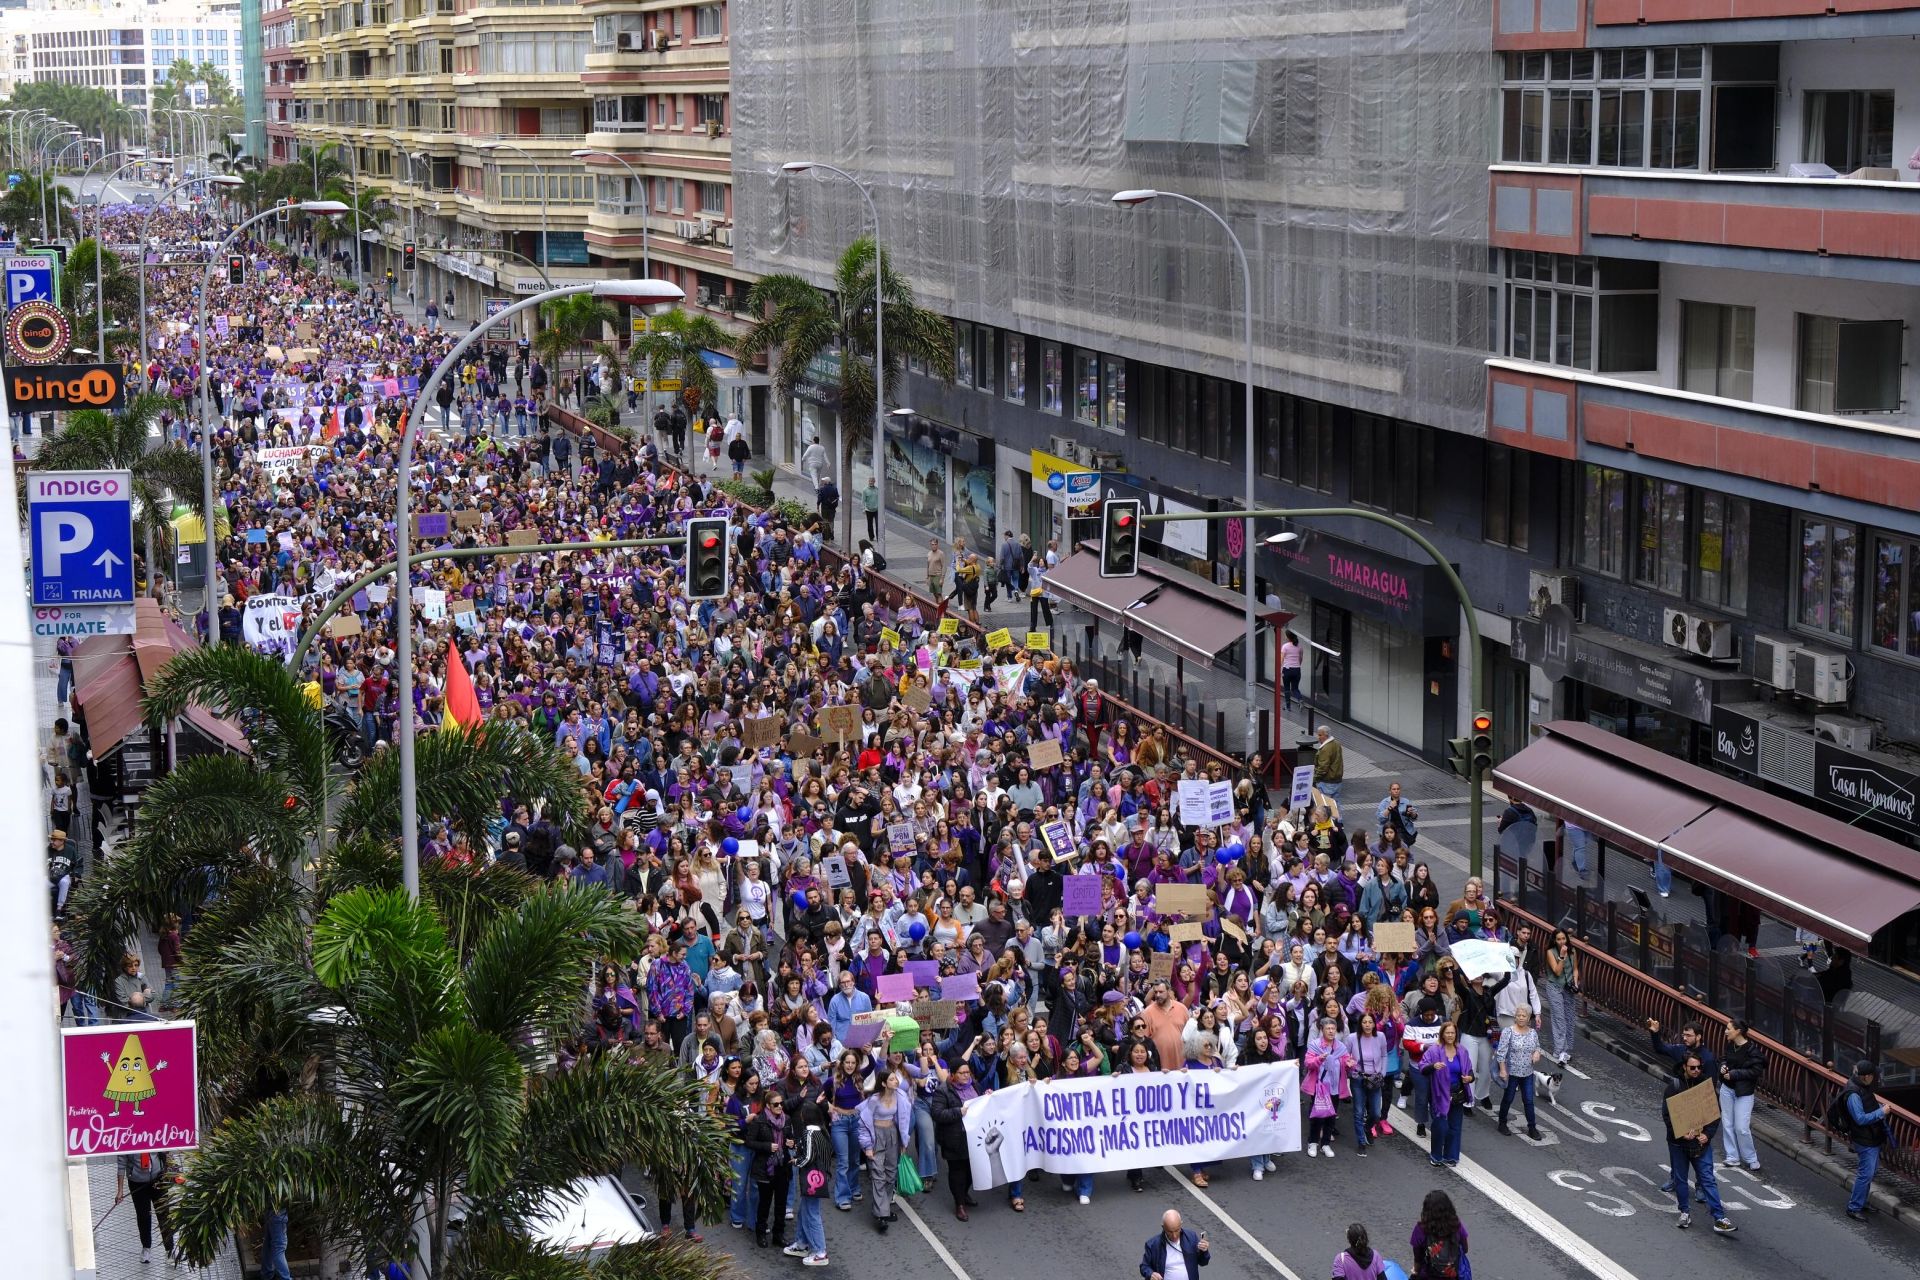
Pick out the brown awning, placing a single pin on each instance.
(1174, 609)
(111, 674)
(1792, 862)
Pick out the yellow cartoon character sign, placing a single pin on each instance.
(130, 1078)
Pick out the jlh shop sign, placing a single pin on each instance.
(59, 387)
(129, 1088)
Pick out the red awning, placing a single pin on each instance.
(110, 680)
(1170, 607)
(1796, 864)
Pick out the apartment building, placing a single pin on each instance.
(124, 49)
(468, 113)
(1613, 300)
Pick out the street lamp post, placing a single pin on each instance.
(879, 355)
(53, 163)
(657, 294)
(223, 180)
(328, 208)
(99, 251)
(1251, 661)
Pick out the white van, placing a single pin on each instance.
(592, 1216)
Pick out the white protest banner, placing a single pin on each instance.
(279, 462)
(1095, 1124)
(1302, 794)
(1476, 957)
(1219, 804)
(433, 604)
(1194, 807)
(271, 623)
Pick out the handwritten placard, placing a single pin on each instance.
(803, 744)
(841, 723)
(1080, 895)
(760, 731)
(1187, 931)
(1039, 641)
(1393, 937)
(1180, 900)
(949, 626)
(999, 639)
(1160, 966)
(940, 1015)
(919, 699)
(1045, 753)
(889, 637)
(343, 625)
(1692, 1110)
(1231, 927)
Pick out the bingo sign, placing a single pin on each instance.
(37, 333)
(129, 1088)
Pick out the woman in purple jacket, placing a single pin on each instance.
(1449, 1072)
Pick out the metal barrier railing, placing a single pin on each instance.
(1626, 978)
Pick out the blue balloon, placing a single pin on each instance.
(1238, 851)
(1132, 940)
(730, 846)
(916, 930)
(1260, 985)
(1394, 1271)
(1223, 856)
(744, 813)
(800, 902)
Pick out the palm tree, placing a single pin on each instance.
(214, 818)
(672, 346)
(121, 290)
(20, 206)
(805, 322)
(572, 323)
(98, 441)
(423, 1079)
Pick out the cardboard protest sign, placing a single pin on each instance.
(841, 723)
(1045, 753)
(803, 744)
(343, 625)
(1393, 937)
(1696, 1108)
(941, 1015)
(760, 731)
(919, 699)
(1188, 931)
(1181, 900)
(1160, 966)
(1231, 927)
(467, 519)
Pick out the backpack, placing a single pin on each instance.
(879, 562)
(1442, 1260)
(1836, 1117)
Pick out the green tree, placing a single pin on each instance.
(573, 323)
(803, 322)
(20, 207)
(673, 345)
(120, 287)
(93, 111)
(433, 1083)
(95, 440)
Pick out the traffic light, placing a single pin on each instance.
(1460, 756)
(1482, 743)
(406, 256)
(236, 268)
(707, 539)
(1120, 538)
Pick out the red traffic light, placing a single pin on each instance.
(1124, 519)
(709, 542)
(1483, 723)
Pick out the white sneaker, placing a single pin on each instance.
(146, 1256)
(1327, 1151)
(795, 1250)
(814, 1260)
(1258, 1174)
(1086, 1199)
(1313, 1149)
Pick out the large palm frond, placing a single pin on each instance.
(527, 975)
(285, 730)
(461, 776)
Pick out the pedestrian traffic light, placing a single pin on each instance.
(1120, 538)
(707, 539)
(1460, 756)
(1482, 743)
(406, 256)
(236, 268)
(285, 211)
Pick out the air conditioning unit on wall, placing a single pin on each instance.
(1825, 678)
(1773, 661)
(1544, 589)
(1846, 732)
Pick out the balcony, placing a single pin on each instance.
(1837, 227)
(1792, 457)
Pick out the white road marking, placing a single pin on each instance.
(1227, 1220)
(1525, 1211)
(926, 1233)
(1572, 1070)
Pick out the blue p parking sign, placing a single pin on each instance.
(82, 530)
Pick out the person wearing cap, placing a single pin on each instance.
(510, 854)
(1867, 1132)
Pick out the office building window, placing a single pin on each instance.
(1506, 509)
(1052, 378)
(985, 360)
(1601, 314)
(1113, 394)
(706, 21)
(1828, 581)
(1014, 379)
(1720, 553)
(1392, 465)
(1295, 441)
(1660, 547)
(1603, 519)
(1593, 106)
(1086, 388)
(1716, 346)
(713, 198)
(1850, 130)
(1894, 623)
(963, 353)
(1849, 366)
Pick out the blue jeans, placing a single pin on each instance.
(1331, 790)
(1682, 1158)
(1662, 874)
(369, 729)
(741, 1209)
(66, 679)
(1869, 1158)
(1522, 1085)
(1443, 1134)
(810, 1225)
(1736, 1129)
(273, 1254)
(1017, 1190)
(1077, 1184)
(926, 1155)
(846, 1159)
(1369, 1108)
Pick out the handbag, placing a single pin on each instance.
(907, 1180)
